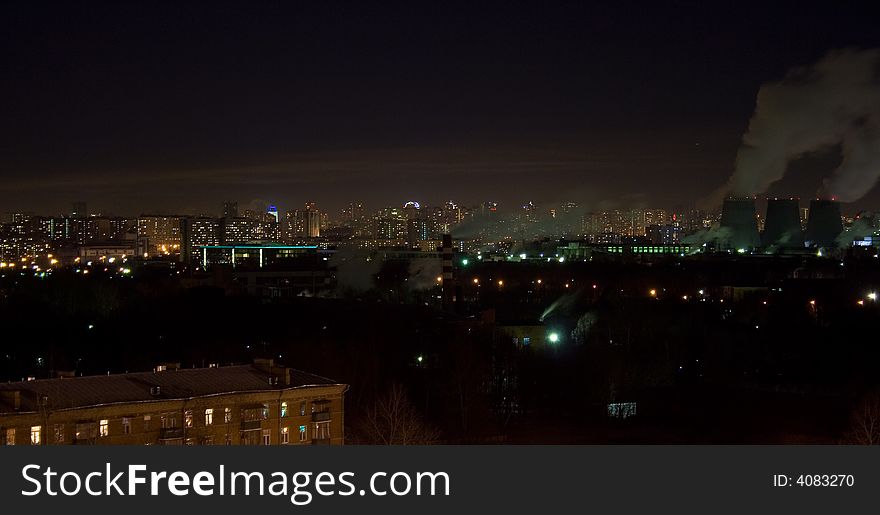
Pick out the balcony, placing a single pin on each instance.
(170, 433)
(250, 425)
(320, 416)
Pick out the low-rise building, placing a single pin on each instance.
(258, 404)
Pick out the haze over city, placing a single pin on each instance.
(175, 110)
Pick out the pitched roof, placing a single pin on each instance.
(80, 392)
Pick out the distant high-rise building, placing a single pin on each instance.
(313, 220)
(80, 210)
(158, 234)
(273, 212)
(391, 224)
(295, 226)
(198, 232)
(230, 209)
(664, 234)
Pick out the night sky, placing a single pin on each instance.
(160, 106)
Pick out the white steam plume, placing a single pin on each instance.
(835, 101)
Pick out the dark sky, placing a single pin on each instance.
(164, 106)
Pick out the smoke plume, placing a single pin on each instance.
(355, 269)
(834, 102)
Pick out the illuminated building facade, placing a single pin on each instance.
(159, 235)
(258, 404)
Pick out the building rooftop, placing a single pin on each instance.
(86, 391)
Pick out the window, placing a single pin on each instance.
(147, 419)
(265, 412)
(10, 436)
(251, 414)
(283, 409)
(58, 431)
(36, 435)
(227, 415)
(285, 435)
(208, 440)
(104, 427)
(209, 417)
(302, 433)
(169, 421)
(302, 409)
(228, 440)
(322, 431)
(86, 431)
(126, 425)
(267, 436)
(188, 418)
(621, 409)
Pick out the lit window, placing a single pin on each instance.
(302, 409)
(265, 412)
(36, 435)
(126, 425)
(59, 433)
(283, 409)
(104, 427)
(621, 409)
(188, 418)
(302, 433)
(285, 435)
(227, 415)
(228, 440)
(267, 436)
(10, 436)
(209, 416)
(322, 431)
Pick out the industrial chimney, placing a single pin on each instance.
(823, 224)
(782, 228)
(738, 218)
(447, 285)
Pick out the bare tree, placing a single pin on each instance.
(393, 420)
(865, 422)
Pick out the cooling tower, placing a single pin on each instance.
(740, 229)
(782, 227)
(823, 224)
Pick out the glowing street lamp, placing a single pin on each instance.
(553, 337)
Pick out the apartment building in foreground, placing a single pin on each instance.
(256, 404)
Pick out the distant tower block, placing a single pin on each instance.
(741, 227)
(782, 228)
(823, 225)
